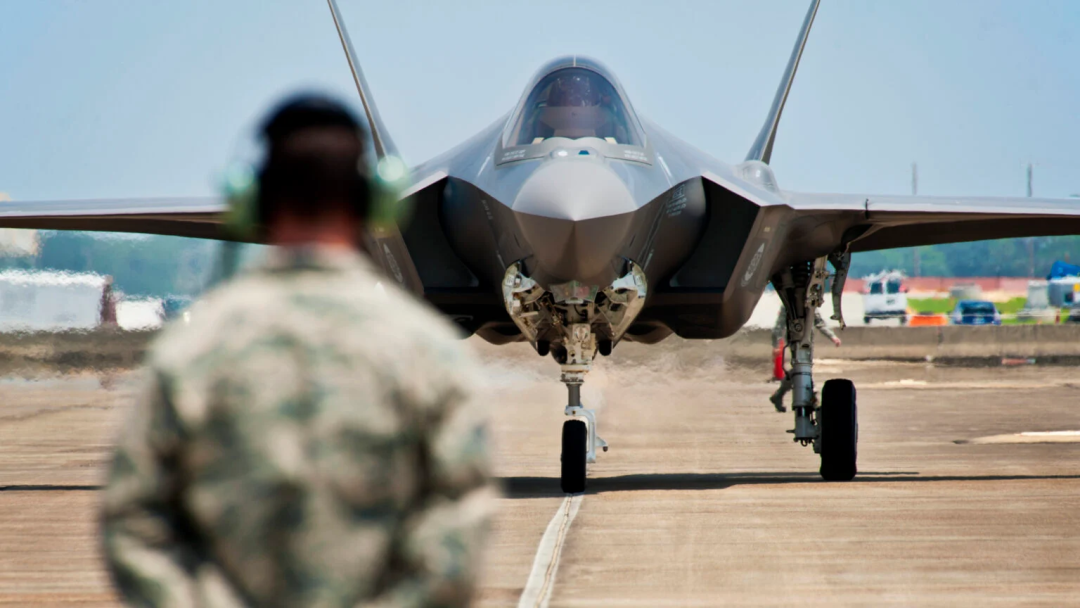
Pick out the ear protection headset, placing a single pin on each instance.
(243, 182)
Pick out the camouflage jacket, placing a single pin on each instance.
(779, 331)
(310, 438)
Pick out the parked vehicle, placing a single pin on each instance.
(975, 312)
(1063, 291)
(885, 297)
(1073, 316)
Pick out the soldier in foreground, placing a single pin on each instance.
(310, 438)
(778, 333)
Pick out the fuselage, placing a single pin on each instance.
(576, 190)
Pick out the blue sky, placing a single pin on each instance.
(131, 98)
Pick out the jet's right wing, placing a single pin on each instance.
(190, 217)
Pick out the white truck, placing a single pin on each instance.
(885, 297)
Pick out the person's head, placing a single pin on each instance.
(313, 184)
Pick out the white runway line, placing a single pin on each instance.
(1028, 437)
(541, 581)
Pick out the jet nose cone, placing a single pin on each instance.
(574, 189)
(576, 216)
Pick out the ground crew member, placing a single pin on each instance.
(779, 333)
(308, 439)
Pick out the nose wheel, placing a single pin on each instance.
(579, 438)
(574, 448)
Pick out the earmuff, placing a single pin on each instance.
(240, 189)
(390, 179)
(241, 184)
(245, 185)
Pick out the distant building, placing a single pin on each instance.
(50, 300)
(67, 301)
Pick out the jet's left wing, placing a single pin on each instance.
(755, 230)
(869, 222)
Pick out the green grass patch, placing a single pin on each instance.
(931, 306)
(944, 306)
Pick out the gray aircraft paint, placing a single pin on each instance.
(708, 235)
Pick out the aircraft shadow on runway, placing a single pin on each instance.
(49, 488)
(541, 487)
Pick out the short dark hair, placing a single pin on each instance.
(315, 159)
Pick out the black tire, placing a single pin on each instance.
(839, 420)
(866, 320)
(574, 445)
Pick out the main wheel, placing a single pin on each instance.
(839, 422)
(574, 446)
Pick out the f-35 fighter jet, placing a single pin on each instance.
(573, 223)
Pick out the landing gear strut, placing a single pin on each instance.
(579, 438)
(573, 322)
(832, 426)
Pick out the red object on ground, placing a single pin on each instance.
(778, 361)
(932, 320)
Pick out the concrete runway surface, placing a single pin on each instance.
(703, 499)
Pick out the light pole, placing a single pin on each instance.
(1031, 239)
(915, 192)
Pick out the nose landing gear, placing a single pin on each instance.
(560, 321)
(579, 438)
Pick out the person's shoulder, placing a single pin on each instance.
(415, 316)
(419, 334)
(211, 320)
(357, 302)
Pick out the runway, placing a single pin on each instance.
(703, 499)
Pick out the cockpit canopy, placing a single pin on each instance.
(574, 102)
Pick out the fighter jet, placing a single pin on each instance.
(574, 224)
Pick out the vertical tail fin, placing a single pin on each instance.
(763, 145)
(383, 145)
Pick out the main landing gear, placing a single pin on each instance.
(579, 438)
(832, 426)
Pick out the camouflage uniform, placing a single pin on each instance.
(310, 439)
(779, 332)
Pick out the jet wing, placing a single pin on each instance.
(186, 217)
(869, 222)
(190, 217)
(754, 230)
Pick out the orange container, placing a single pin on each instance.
(928, 320)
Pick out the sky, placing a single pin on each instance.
(129, 98)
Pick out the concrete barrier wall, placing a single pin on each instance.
(1018, 285)
(896, 343)
(961, 342)
(113, 348)
(105, 348)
